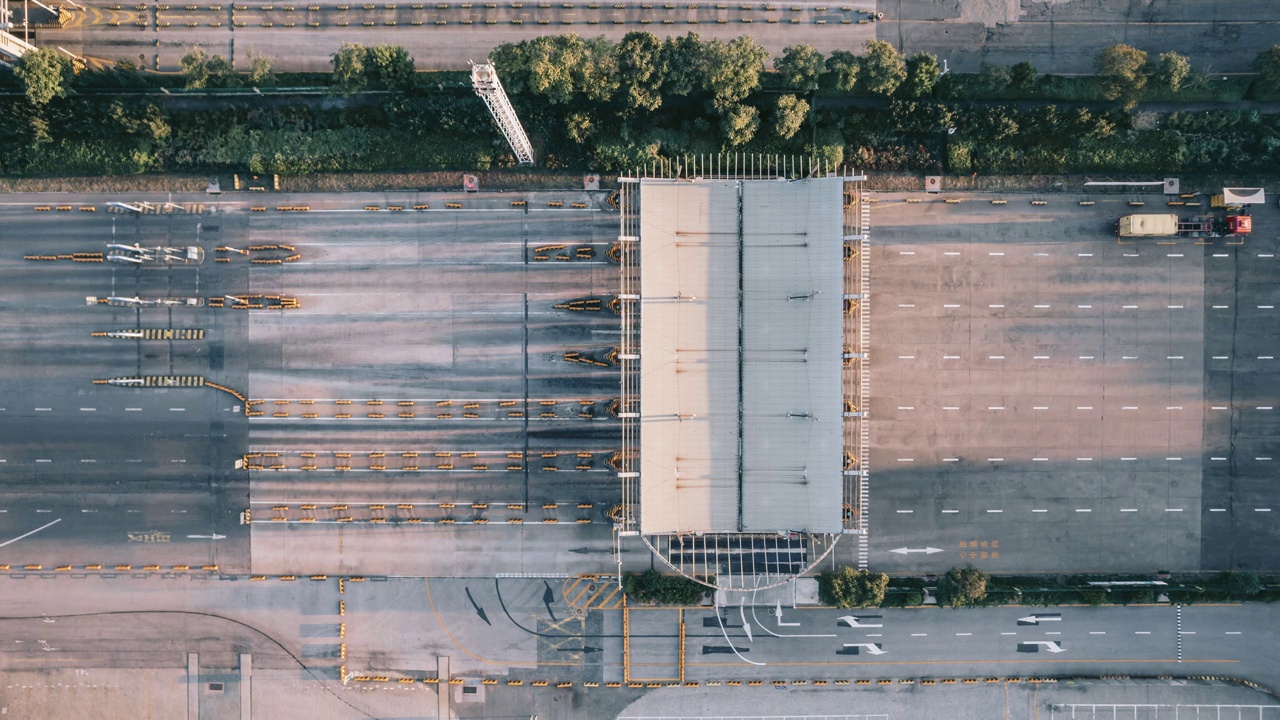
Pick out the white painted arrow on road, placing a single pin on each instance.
(872, 648)
(908, 551)
(1049, 645)
(852, 621)
(1037, 619)
(214, 536)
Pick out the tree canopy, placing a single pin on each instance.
(641, 71)
(800, 67)
(843, 67)
(849, 588)
(1023, 75)
(391, 66)
(1267, 65)
(261, 73)
(1124, 71)
(1173, 70)
(684, 61)
(733, 70)
(349, 74)
(44, 74)
(963, 587)
(740, 124)
(789, 114)
(882, 68)
(923, 72)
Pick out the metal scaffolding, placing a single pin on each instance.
(484, 78)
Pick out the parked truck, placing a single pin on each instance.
(1169, 225)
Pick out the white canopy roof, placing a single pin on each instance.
(741, 323)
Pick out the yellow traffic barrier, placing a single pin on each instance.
(1039, 202)
(999, 202)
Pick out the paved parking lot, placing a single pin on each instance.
(1047, 399)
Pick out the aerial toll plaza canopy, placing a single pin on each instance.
(741, 336)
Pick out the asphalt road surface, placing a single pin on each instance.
(428, 337)
(1058, 37)
(1047, 399)
(1066, 37)
(438, 38)
(528, 629)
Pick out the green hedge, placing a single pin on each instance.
(654, 588)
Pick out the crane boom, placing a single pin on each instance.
(484, 79)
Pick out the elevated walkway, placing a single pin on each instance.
(13, 47)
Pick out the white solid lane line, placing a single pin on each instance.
(33, 532)
(133, 409)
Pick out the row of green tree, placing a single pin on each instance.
(971, 587)
(596, 104)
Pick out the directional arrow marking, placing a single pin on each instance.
(1037, 619)
(872, 648)
(777, 611)
(908, 551)
(1049, 645)
(853, 622)
(742, 610)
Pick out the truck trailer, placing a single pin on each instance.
(1168, 225)
(1149, 225)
